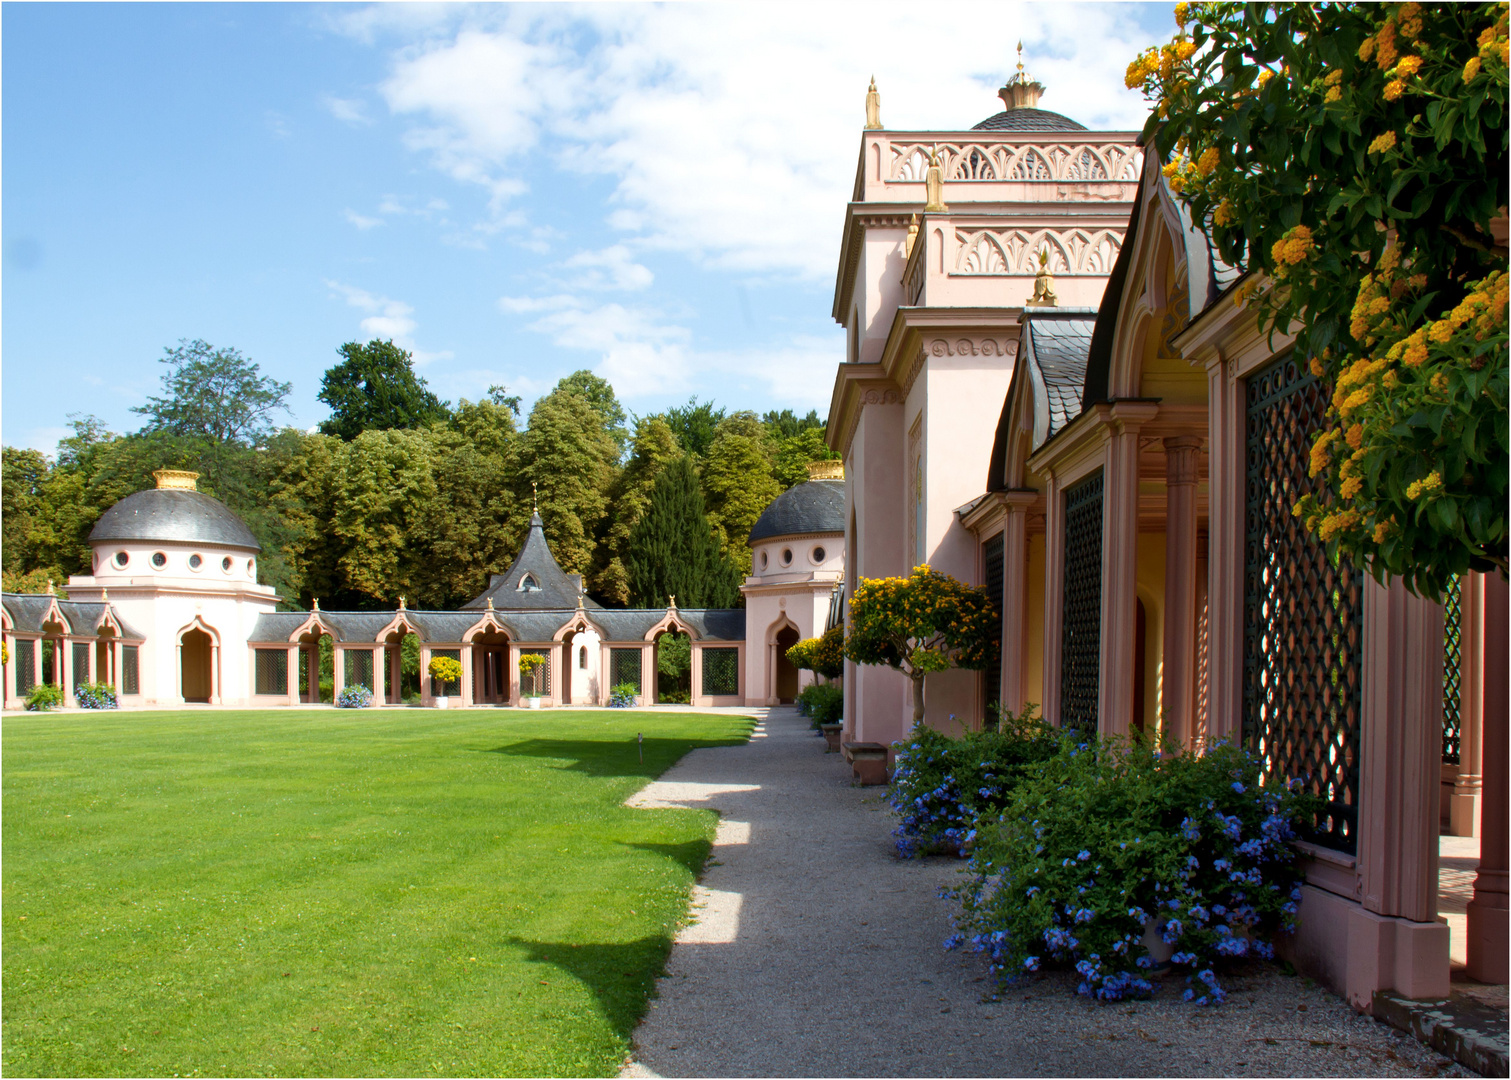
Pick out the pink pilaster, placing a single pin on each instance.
(1054, 596)
(1488, 942)
(1225, 554)
(1014, 595)
(1178, 692)
(1120, 566)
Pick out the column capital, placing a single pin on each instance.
(1181, 458)
(1018, 500)
(1130, 414)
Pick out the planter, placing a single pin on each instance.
(832, 733)
(442, 702)
(532, 702)
(1159, 952)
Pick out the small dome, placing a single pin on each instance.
(815, 507)
(1028, 120)
(174, 515)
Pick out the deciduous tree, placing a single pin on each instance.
(215, 394)
(738, 484)
(375, 388)
(570, 457)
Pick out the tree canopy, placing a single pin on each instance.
(694, 425)
(600, 395)
(214, 394)
(673, 551)
(375, 388)
(738, 482)
(1353, 157)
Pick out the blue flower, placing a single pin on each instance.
(954, 941)
(1238, 787)
(1083, 856)
(1031, 963)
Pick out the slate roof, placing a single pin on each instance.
(175, 515)
(817, 506)
(1051, 367)
(555, 588)
(716, 624)
(276, 626)
(29, 610)
(1028, 120)
(358, 627)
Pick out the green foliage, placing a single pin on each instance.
(429, 908)
(623, 695)
(570, 456)
(942, 786)
(787, 424)
(597, 392)
(443, 669)
(1100, 841)
(824, 654)
(674, 668)
(529, 669)
(822, 703)
(793, 454)
(214, 394)
(374, 388)
(654, 446)
(923, 623)
(673, 552)
(738, 484)
(1356, 155)
(694, 426)
(44, 696)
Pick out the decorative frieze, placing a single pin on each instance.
(1006, 252)
(1008, 162)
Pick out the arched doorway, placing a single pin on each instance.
(786, 672)
(674, 668)
(196, 680)
(490, 668)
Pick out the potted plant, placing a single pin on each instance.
(529, 665)
(444, 670)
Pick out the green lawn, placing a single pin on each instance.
(339, 893)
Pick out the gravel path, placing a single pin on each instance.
(815, 952)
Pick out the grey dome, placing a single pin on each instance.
(815, 507)
(175, 515)
(1028, 120)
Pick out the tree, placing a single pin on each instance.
(694, 425)
(1353, 157)
(673, 551)
(653, 448)
(921, 624)
(374, 388)
(569, 456)
(386, 485)
(214, 394)
(738, 484)
(599, 394)
(787, 424)
(794, 454)
(823, 655)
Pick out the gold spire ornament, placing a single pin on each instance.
(873, 107)
(1022, 90)
(933, 185)
(1044, 284)
(401, 602)
(907, 247)
(671, 601)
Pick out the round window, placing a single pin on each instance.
(765, 558)
(121, 558)
(786, 556)
(225, 564)
(195, 562)
(251, 567)
(818, 554)
(159, 560)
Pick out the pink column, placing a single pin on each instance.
(338, 671)
(1488, 942)
(292, 686)
(64, 666)
(1054, 596)
(648, 673)
(1120, 566)
(1178, 659)
(1225, 430)
(1014, 594)
(10, 674)
(214, 673)
(466, 693)
(696, 676)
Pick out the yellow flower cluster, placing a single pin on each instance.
(1382, 143)
(1425, 486)
(1394, 89)
(1411, 21)
(1492, 42)
(1182, 14)
(1143, 66)
(1223, 215)
(1291, 248)
(1320, 457)
(1332, 524)
(1383, 529)
(1408, 67)
(1207, 163)
(1471, 70)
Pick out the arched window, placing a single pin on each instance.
(582, 658)
(528, 584)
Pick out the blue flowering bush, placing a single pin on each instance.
(99, 695)
(941, 785)
(622, 696)
(822, 703)
(1106, 848)
(354, 697)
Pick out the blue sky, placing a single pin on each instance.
(513, 192)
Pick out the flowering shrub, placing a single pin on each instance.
(823, 703)
(354, 697)
(1102, 842)
(446, 671)
(529, 664)
(824, 655)
(44, 696)
(622, 696)
(941, 786)
(100, 695)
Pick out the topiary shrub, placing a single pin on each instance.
(354, 697)
(44, 696)
(941, 785)
(99, 695)
(623, 696)
(1107, 842)
(822, 703)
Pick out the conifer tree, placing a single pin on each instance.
(673, 551)
(653, 448)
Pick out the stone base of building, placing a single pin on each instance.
(1355, 952)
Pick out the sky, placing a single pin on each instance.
(512, 192)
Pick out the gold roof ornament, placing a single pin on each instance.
(933, 185)
(1044, 284)
(176, 480)
(873, 107)
(826, 470)
(671, 602)
(401, 602)
(316, 604)
(907, 247)
(1022, 90)
(490, 603)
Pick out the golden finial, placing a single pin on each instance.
(1020, 56)
(1022, 90)
(907, 246)
(490, 603)
(933, 185)
(1044, 284)
(671, 601)
(401, 601)
(104, 596)
(176, 479)
(579, 600)
(873, 107)
(316, 604)
(535, 496)
(49, 586)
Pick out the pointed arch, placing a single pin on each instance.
(671, 622)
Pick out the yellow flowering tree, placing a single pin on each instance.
(920, 624)
(1354, 158)
(823, 655)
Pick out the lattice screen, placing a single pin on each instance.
(992, 563)
(721, 672)
(440, 689)
(130, 675)
(540, 684)
(359, 667)
(1080, 653)
(271, 672)
(1453, 661)
(624, 667)
(26, 665)
(1302, 613)
(80, 664)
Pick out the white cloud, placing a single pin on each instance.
(363, 223)
(351, 111)
(386, 318)
(528, 304)
(611, 268)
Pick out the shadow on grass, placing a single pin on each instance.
(692, 854)
(622, 977)
(621, 757)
